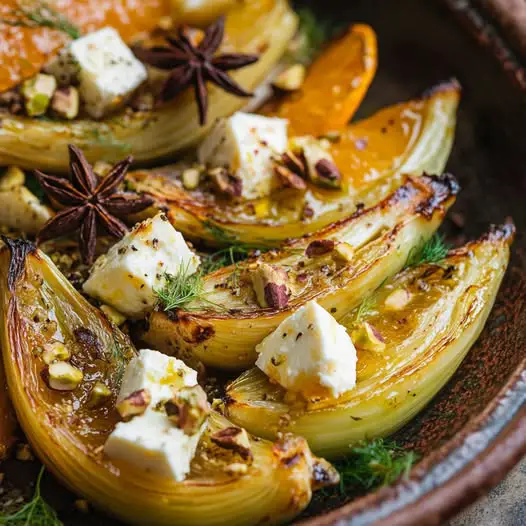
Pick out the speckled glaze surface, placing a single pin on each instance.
(474, 431)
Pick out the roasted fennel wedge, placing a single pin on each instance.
(425, 343)
(373, 154)
(67, 431)
(223, 326)
(260, 26)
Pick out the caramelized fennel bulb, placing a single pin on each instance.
(68, 432)
(223, 327)
(264, 27)
(426, 340)
(372, 155)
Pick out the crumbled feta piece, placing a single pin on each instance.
(150, 441)
(310, 353)
(128, 275)
(246, 144)
(104, 67)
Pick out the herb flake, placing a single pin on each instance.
(373, 464)
(41, 14)
(432, 251)
(37, 512)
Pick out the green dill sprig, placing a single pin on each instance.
(365, 307)
(36, 512)
(41, 14)
(373, 464)
(227, 256)
(432, 251)
(181, 289)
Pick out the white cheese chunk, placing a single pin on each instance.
(246, 144)
(150, 442)
(104, 67)
(128, 275)
(310, 353)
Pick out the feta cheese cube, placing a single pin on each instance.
(246, 144)
(151, 442)
(128, 275)
(156, 372)
(310, 353)
(104, 67)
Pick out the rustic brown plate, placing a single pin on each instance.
(475, 429)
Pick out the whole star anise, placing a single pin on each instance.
(90, 203)
(195, 64)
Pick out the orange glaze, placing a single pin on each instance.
(24, 51)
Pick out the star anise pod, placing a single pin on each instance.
(195, 64)
(90, 203)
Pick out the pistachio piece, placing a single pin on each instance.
(225, 182)
(99, 394)
(65, 102)
(190, 178)
(398, 299)
(321, 169)
(188, 409)
(327, 174)
(366, 337)
(289, 179)
(234, 438)
(113, 315)
(292, 78)
(134, 404)
(344, 252)
(64, 377)
(262, 209)
(319, 247)
(13, 177)
(37, 92)
(294, 163)
(270, 285)
(55, 352)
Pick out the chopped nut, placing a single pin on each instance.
(65, 102)
(320, 165)
(113, 315)
(327, 174)
(237, 469)
(366, 337)
(292, 78)
(99, 394)
(190, 178)
(143, 102)
(13, 177)
(262, 209)
(64, 376)
(134, 404)
(398, 299)
(294, 163)
(319, 247)
(271, 286)
(289, 179)
(55, 352)
(234, 438)
(225, 182)
(24, 453)
(344, 252)
(37, 92)
(82, 505)
(188, 409)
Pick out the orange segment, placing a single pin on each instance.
(24, 51)
(335, 85)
